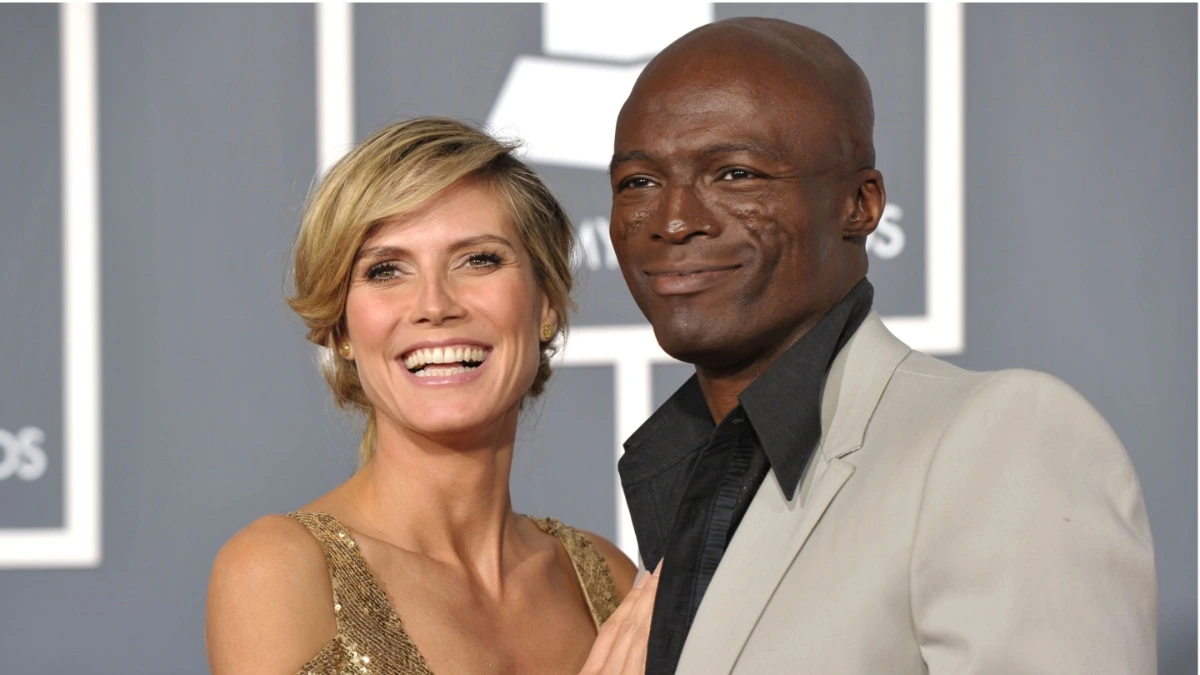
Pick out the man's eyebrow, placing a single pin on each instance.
(745, 146)
(624, 157)
(752, 147)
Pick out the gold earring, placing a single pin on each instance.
(346, 349)
(547, 331)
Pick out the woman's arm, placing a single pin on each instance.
(270, 601)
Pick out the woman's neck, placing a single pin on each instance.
(444, 498)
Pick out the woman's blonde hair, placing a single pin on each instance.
(394, 172)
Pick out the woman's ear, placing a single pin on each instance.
(549, 318)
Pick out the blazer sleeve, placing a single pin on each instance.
(1032, 551)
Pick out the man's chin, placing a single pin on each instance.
(692, 342)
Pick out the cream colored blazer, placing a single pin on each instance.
(950, 522)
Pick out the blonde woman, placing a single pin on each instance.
(433, 266)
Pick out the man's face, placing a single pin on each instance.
(729, 196)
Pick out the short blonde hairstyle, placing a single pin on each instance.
(392, 173)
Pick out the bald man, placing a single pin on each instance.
(823, 498)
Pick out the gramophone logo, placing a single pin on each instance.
(564, 104)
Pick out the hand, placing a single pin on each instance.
(620, 648)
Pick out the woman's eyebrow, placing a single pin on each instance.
(481, 239)
(379, 252)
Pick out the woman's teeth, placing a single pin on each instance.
(463, 358)
(443, 372)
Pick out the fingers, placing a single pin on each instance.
(638, 637)
(603, 646)
(620, 647)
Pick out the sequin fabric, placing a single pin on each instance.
(370, 636)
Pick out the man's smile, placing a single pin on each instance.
(686, 280)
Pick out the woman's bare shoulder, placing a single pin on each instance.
(270, 601)
(273, 550)
(619, 565)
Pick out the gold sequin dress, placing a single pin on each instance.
(371, 637)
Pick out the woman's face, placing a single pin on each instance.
(443, 316)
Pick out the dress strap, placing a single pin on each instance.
(590, 567)
(365, 618)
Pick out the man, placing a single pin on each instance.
(824, 499)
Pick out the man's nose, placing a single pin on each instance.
(682, 216)
(436, 302)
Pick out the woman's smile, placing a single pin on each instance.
(454, 363)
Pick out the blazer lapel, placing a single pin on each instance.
(774, 529)
(762, 549)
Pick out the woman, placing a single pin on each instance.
(434, 267)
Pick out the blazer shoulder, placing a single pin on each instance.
(1011, 402)
(1042, 395)
(1018, 384)
(920, 364)
(1041, 424)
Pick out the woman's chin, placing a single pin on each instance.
(459, 425)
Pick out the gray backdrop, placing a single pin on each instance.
(1080, 223)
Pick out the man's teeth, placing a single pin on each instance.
(441, 355)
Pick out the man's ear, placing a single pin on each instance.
(867, 209)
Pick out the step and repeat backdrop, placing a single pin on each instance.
(156, 394)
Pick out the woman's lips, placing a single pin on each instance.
(444, 362)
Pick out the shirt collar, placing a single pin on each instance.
(783, 404)
(679, 427)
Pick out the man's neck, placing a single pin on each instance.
(721, 392)
(723, 385)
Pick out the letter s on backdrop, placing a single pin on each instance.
(22, 454)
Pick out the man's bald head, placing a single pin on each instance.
(809, 56)
(744, 190)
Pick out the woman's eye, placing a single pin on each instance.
(483, 260)
(382, 271)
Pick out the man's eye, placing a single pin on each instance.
(637, 182)
(736, 174)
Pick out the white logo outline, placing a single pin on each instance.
(77, 542)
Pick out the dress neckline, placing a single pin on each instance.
(550, 526)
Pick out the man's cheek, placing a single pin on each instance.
(629, 221)
(757, 218)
